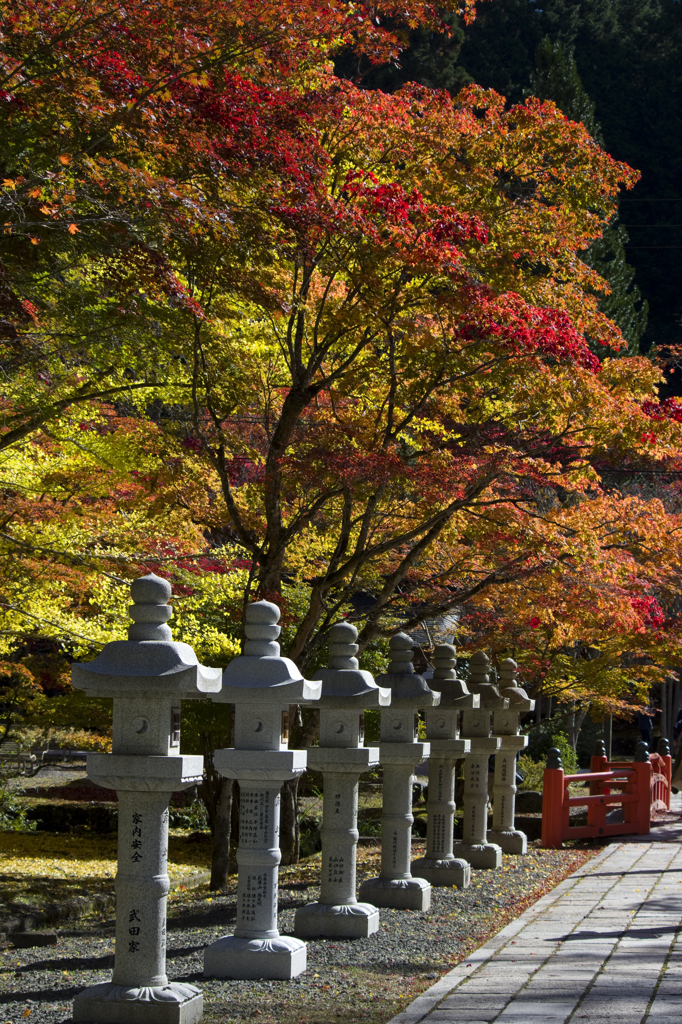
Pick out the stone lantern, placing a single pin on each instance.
(440, 866)
(399, 752)
(147, 676)
(261, 685)
(506, 727)
(341, 757)
(477, 727)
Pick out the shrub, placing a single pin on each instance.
(310, 835)
(369, 826)
(12, 814)
(29, 737)
(194, 817)
(533, 771)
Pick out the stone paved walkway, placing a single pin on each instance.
(605, 945)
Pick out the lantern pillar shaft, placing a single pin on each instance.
(341, 757)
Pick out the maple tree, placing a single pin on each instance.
(115, 117)
(392, 349)
(601, 631)
(18, 689)
(76, 526)
(269, 334)
(353, 290)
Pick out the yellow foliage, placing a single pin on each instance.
(81, 857)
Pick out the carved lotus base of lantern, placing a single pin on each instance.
(513, 841)
(345, 921)
(397, 893)
(480, 855)
(176, 1003)
(279, 958)
(443, 871)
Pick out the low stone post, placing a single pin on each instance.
(440, 866)
(399, 752)
(342, 758)
(506, 728)
(477, 726)
(261, 685)
(147, 676)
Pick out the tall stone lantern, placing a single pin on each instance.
(506, 727)
(477, 727)
(261, 685)
(399, 752)
(440, 866)
(147, 676)
(341, 757)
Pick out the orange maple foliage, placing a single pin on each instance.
(363, 321)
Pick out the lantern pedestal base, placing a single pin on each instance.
(175, 1003)
(513, 841)
(280, 959)
(345, 921)
(443, 872)
(397, 893)
(479, 855)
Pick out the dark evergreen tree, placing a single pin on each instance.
(555, 77)
(624, 305)
(431, 58)
(628, 54)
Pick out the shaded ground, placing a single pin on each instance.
(367, 980)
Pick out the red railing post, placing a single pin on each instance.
(599, 762)
(641, 819)
(553, 802)
(658, 783)
(663, 750)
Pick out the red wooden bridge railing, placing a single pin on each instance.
(661, 777)
(641, 787)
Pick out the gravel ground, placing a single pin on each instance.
(366, 980)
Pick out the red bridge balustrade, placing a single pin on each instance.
(662, 779)
(641, 787)
(661, 773)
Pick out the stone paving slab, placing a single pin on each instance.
(605, 945)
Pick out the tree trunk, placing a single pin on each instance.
(217, 795)
(303, 728)
(236, 800)
(459, 783)
(222, 829)
(209, 788)
(288, 827)
(574, 725)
